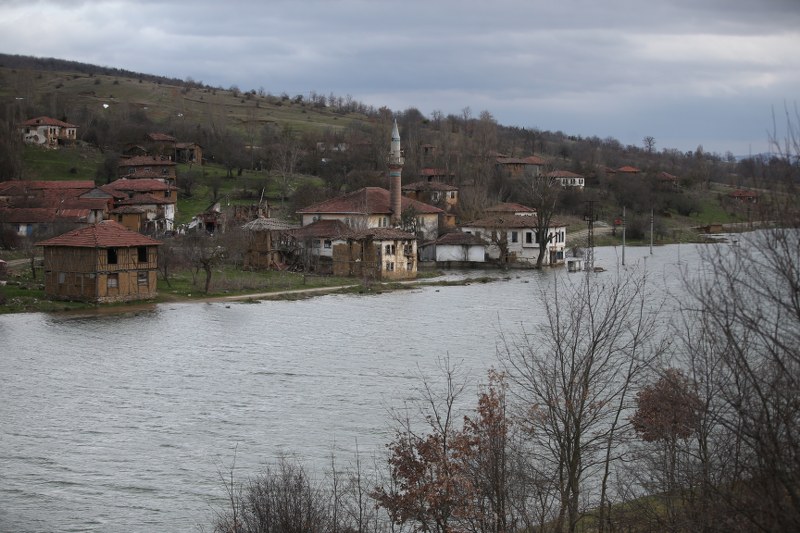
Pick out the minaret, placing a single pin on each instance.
(396, 161)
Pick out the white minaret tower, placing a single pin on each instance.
(396, 161)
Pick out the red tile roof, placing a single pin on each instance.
(48, 121)
(85, 203)
(459, 238)
(321, 229)
(563, 174)
(510, 207)
(105, 234)
(28, 215)
(65, 184)
(666, 176)
(145, 199)
(367, 201)
(140, 185)
(534, 160)
(628, 169)
(381, 234)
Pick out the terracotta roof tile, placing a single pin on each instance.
(563, 174)
(48, 121)
(321, 229)
(458, 238)
(105, 234)
(137, 185)
(145, 199)
(627, 169)
(510, 207)
(369, 200)
(28, 215)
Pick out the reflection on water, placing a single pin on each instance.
(121, 421)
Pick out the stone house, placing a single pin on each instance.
(383, 254)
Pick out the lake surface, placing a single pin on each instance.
(122, 422)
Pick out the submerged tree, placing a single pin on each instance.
(573, 380)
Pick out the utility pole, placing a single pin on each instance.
(651, 231)
(623, 235)
(589, 218)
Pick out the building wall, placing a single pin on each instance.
(373, 260)
(526, 247)
(82, 273)
(452, 252)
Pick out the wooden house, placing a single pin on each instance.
(104, 262)
(148, 167)
(267, 243)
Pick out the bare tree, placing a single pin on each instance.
(543, 194)
(573, 379)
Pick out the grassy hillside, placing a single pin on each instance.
(63, 94)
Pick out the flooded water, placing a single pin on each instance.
(122, 422)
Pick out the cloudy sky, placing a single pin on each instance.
(687, 72)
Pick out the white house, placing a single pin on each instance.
(518, 235)
(48, 132)
(565, 178)
(455, 246)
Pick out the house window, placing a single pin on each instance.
(142, 278)
(112, 281)
(390, 249)
(390, 266)
(166, 194)
(141, 254)
(327, 243)
(410, 266)
(528, 237)
(514, 236)
(61, 278)
(111, 256)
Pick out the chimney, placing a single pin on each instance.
(396, 161)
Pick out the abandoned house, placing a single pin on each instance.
(104, 262)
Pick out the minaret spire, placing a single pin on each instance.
(395, 161)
